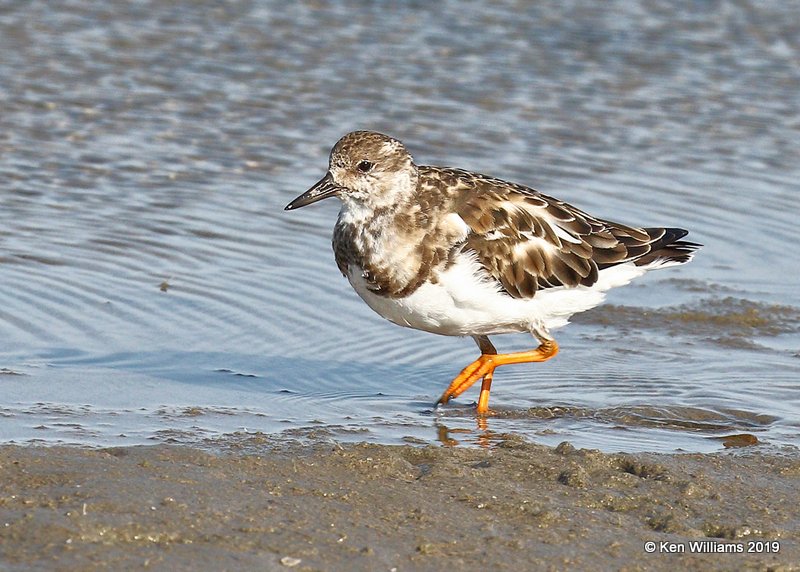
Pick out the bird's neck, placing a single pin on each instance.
(382, 244)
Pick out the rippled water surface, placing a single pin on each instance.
(153, 289)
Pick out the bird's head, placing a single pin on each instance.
(367, 169)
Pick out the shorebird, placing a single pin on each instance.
(458, 253)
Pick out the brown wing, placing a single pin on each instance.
(529, 241)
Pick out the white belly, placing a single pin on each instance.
(464, 303)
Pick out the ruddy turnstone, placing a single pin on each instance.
(457, 253)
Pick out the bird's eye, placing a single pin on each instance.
(364, 166)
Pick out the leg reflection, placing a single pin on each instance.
(481, 435)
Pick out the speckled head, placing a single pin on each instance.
(367, 169)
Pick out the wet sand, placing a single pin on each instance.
(254, 503)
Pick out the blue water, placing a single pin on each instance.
(152, 289)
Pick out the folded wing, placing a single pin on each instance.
(529, 241)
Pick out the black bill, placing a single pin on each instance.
(324, 188)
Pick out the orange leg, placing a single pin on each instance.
(486, 386)
(484, 367)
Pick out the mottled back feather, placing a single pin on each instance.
(528, 241)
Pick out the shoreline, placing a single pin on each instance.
(272, 505)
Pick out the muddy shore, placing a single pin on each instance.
(256, 504)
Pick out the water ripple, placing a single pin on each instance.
(145, 257)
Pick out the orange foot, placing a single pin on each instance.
(484, 367)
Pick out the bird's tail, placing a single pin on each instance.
(668, 250)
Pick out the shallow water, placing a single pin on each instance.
(152, 288)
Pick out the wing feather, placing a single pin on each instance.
(528, 241)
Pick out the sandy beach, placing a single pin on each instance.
(259, 504)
